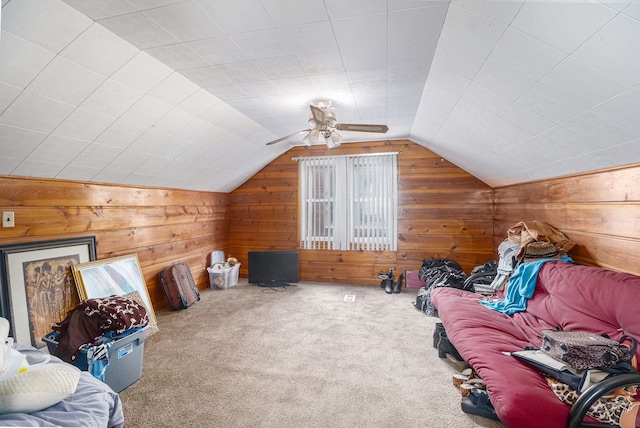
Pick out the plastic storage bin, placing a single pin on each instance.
(125, 358)
(223, 277)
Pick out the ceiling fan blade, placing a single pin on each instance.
(287, 137)
(318, 115)
(362, 127)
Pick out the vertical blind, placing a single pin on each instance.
(349, 202)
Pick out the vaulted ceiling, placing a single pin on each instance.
(186, 93)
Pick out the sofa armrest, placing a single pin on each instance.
(587, 398)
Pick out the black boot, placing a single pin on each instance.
(445, 347)
(388, 288)
(397, 287)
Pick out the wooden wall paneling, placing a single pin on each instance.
(599, 211)
(440, 207)
(161, 226)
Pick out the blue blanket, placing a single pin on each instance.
(522, 284)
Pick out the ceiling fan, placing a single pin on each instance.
(324, 126)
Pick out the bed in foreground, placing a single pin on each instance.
(93, 404)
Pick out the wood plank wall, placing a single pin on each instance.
(599, 211)
(161, 226)
(443, 212)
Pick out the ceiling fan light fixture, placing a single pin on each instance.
(334, 140)
(313, 137)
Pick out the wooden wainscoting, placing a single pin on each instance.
(599, 211)
(161, 226)
(443, 212)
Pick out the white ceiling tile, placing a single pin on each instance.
(361, 30)
(142, 72)
(623, 154)
(416, 24)
(324, 62)
(576, 79)
(600, 131)
(194, 130)
(53, 24)
(177, 56)
(199, 102)
(65, 81)
(475, 32)
(99, 50)
(96, 155)
(174, 121)
(555, 105)
(484, 101)
(344, 9)
(153, 165)
(99, 9)
(174, 89)
(526, 119)
(77, 172)
(364, 78)
(528, 56)
(240, 72)
(150, 142)
(631, 7)
(146, 111)
(368, 57)
(458, 59)
(206, 76)
(120, 134)
(32, 111)
(503, 80)
(564, 25)
(140, 30)
(31, 168)
(238, 16)
(128, 160)
(614, 50)
(621, 110)
(227, 92)
(8, 93)
(503, 11)
(8, 165)
(56, 147)
(20, 60)
(84, 125)
(111, 98)
(285, 12)
(287, 40)
(259, 89)
(174, 146)
(10, 135)
(218, 50)
(186, 21)
(149, 4)
(110, 175)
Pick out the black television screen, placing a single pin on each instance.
(273, 268)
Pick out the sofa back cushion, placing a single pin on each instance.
(575, 297)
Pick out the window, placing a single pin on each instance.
(349, 202)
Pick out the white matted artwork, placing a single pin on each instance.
(114, 276)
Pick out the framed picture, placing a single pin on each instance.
(37, 284)
(117, 275)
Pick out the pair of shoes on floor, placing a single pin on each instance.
(467, 380)
(478, 403)
(388, 284)
(445, 347)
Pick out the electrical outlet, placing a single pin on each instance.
(7, 219)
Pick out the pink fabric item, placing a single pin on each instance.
(568, 296)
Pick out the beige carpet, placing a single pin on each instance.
(301, 357)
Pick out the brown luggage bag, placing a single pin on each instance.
(178, 286)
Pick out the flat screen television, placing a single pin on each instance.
(273, 268)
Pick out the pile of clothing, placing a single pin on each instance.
(93, 325)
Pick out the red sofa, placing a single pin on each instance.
(568, 296)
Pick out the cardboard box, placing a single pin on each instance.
(125, 358)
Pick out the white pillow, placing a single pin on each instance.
(38, 388)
